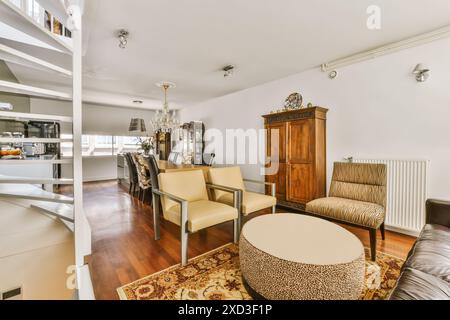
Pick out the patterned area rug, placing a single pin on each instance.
(216, 276)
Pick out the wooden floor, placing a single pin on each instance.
(124, 248)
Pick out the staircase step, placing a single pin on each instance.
(28, 191)
(69, 225)
(59, 210)
(22, 180)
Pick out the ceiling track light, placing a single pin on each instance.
(228, 70)
(123, 38)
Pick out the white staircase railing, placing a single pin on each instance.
(68, 210)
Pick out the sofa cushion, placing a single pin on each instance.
(361, 213)
(202, 214)
(431, 253)
(251, 201)
(417, 285)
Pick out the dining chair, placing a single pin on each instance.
(132, 173)
(185, 202)
(208, 159)
(154, 172)
(143, 176)
(250, 202)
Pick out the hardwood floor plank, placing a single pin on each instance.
(124, 248)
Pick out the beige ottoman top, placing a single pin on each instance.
(303, 239)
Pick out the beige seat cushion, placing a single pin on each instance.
(251, 201)
(361, 213)
(202, 214)
(188, 185)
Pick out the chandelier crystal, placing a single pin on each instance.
(165, 120)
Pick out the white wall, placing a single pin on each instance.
(377, 109)
(96, 120)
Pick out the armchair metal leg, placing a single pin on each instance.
(184, 247)
(274, 209)
(156, 217)
(236, 230)
(184, 235)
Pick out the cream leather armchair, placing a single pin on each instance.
(249, 202)
(185, 202)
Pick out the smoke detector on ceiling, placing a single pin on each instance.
(228, 70)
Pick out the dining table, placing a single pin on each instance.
(166, 166)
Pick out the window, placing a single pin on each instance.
(101, 145)
(126, 144)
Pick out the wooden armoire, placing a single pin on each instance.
(301, 175)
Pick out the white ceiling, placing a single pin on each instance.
(187, 42)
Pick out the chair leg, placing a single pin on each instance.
(373, 244)
(235, 230)
(274, 209)
(144, 191)
(131, 186)
(156, 217)
(382, 231)
(184, 246)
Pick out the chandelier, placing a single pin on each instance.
(165, 120)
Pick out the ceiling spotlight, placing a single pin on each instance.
(138, 101)
(421, 73)
(123, 38)
(228, 70)
(333, 74)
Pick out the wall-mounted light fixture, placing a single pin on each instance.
(228, 70)
(6, 106)
(421, 73)
(123, 38)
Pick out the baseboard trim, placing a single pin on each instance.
(403, 231)
(93, 179)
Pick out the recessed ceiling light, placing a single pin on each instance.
(138, 101)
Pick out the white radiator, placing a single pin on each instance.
(406, 193)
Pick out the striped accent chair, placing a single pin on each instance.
(357, 197)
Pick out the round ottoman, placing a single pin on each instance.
(291, 256)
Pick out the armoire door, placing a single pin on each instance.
(300, 160)
(276, 152)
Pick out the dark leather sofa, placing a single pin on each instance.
(426, 272)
